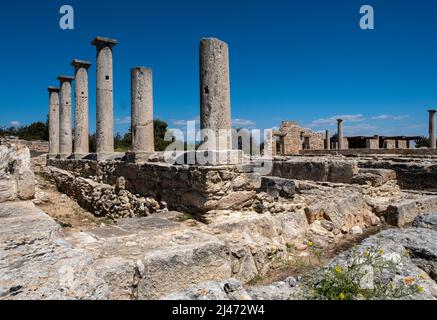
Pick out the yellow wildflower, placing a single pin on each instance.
(342, 296)
(420, 289)
(310, 243)
(392, 285)
(338, 269)
(422, 276)
(366, 254)
(380, 252)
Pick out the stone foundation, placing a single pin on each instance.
(193, 189)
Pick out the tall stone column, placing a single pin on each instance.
(215, 93)
(104, 97)
(143, 140)
(81, 135)
(328, 140)
(340, 134)
(53, 122)
(65, 119)
(432, 131)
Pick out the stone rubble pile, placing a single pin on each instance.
(103, 200)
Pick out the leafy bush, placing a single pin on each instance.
(369, 275)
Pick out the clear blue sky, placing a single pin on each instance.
(290, 60)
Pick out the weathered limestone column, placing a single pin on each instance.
(53, 122)
(104, 97)
(143, 140)
(328, 140)
(65, 120)
(340, 135)
(432, 131)
(215, 93)
(81, 140)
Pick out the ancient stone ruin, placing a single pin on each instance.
(172, 230)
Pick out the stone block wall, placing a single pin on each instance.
(316, 170)
(372, 144)
(390, 144)
(402, 144)
(193, 189)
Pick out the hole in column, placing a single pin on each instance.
(82, 92)
(206, 90)
(107, 77)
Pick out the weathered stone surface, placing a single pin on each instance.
(230, 289)
(413, 251)
(374, 177)
(344, 212)
(37, 263)
(170, 269)
(17, 180)
(278, 187)
(404, 212)
(316, 170)
(428, 221)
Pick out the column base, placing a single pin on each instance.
(107, 156)
(51, 156)
(64, 156)
(139, 157)
(80, 156)
(206, 158)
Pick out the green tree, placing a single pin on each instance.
(422, 142)
(160, 128)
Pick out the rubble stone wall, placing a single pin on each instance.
(194, 189)
(103, 200)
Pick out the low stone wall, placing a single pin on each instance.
(412, 175)
(194, 189)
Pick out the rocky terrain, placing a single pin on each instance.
(413, 250)
(82, 232)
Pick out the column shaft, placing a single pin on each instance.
(53, 121)
(104, 96)
(328, 140)
(432, 129)
(340, 134)
(81, 133)
(215, 95)
(142, 110)
(65, 119)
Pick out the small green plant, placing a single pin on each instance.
(346, 282)
(185, 217)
